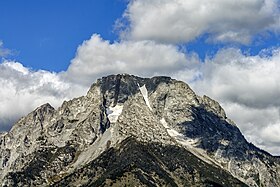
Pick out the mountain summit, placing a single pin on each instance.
(133, 131)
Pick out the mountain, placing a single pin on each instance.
(132, 131)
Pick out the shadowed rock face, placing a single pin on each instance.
(139, 164)
(133, 131)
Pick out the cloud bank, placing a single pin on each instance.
(180, 21)
(23, 90)
(97, 57)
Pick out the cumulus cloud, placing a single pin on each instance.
(97, 57)
(248, 88)
(259, 125)
(254, 78)
(22, 90)
(180, 21)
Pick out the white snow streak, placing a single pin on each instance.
(144, 92)
(173, 133)
(164, 123)
(188, 143)
(114, 112)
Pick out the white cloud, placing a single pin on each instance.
(97, 57)
(179, 21)
(22, 90)
(3, 51)
(249, 80)
(260, 125)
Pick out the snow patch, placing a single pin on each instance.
(164, 123)
(114, 112)
(224, 142)
(188, 143)
(178, 136)
(144, 92)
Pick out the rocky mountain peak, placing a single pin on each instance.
(117, 88)
(134, 131)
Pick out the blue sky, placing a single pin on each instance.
(45, 34)
(52, 51)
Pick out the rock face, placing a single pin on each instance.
(133, 131)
